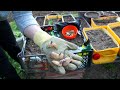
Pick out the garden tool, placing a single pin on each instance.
(43, 40)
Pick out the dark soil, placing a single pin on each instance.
(104, 71)
(40, 20)
(32, 48)
(105, 21)
(117, 30)
(100, 40)
(68, 18)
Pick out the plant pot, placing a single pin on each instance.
(89, 15)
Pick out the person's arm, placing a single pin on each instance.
(29, 26)
(56, 49)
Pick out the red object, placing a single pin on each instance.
(44, 66)
(96, 56)
(69, 28)
(49, 28)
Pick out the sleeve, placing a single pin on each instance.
(24, 19)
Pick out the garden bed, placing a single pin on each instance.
(117, 30)
(100, 40)
(105, 20)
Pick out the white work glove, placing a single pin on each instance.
(57, 52)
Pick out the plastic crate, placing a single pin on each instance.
(40, 20)
(68, 18)
(40, 68)
(107, 55)
(93, 24)
(110, 28)
(53, 18)
(76, 74)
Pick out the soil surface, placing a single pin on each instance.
(100, 40)
(117, 30)
(104, 71)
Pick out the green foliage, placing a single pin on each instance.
(15, 29)
(16, 66)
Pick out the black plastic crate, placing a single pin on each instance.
(36, 64)
(46, 70)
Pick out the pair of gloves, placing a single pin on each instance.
(57, 52)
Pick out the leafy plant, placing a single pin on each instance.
(15, 29)
(17, 67)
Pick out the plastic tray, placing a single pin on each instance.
(93, 24)
(107, 55)
(117, 38)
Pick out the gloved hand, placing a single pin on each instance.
(57, 52)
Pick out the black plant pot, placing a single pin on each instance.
(89, 15)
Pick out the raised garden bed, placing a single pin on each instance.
(117, 30)
(100, 40)
(102, 21)
(104, 45)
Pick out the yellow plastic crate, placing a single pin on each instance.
(117, 38)
(93, 24)
(52, 16)
(107, 55)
